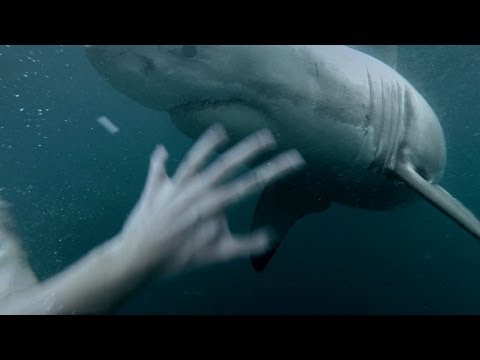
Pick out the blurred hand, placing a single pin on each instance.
(179, 222)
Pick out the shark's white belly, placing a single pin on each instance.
(346, 122)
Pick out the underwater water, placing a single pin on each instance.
(72, 183)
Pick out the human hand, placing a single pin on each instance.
(179, 222)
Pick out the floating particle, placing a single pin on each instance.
(108, 125)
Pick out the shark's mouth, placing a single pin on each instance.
(238, 116)
(208, 104)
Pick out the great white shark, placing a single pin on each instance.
(368, 136)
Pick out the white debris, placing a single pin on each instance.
(108, 125)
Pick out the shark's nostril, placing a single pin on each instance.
(189, 51)
(148, 65)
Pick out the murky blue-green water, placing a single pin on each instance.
(72, 183)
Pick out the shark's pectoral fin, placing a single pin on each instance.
(280, 206)
(440, 198)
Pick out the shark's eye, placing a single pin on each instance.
(147, 65)
(189, 51)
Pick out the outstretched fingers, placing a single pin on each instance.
(242, 246)
(281, 166)
(238, 156)
(228, 163)
(198, 155)
(156, 172)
